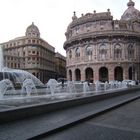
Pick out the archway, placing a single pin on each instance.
(118, 74)
(70, 75)
(77, 75)
(89, 74)
(103, 74)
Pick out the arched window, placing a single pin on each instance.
(117, 52)
(130, 52)
(88, 50)
(102, 52)
(77, 52)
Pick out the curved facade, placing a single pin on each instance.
(100, 48)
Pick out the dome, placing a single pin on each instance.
(32, 31)
(131, 13)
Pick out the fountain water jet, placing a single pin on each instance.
(17, 79)
(52, 83)
(5, 86)
(29, 87)
(85, 87)
(71, 87)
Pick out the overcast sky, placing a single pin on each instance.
(51, 16)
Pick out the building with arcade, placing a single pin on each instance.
(99, 48)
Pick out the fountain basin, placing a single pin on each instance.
(41, 106)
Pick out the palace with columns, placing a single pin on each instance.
(99, 48)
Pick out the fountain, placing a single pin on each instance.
(28, 87)
(52, 84)
(109, 86)
(105, 85)
(24, 84)
(21, 91)
(6, 86)
(97, 86)
(15, 81)
(86, 87)
(20, 80)
(71, 87)
(75, 89)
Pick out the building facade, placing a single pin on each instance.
(31, 53)
(99, 48)
(60, 65)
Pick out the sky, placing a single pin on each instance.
(51, 17)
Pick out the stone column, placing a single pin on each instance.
(96, 73)
(111, 73)
(68, 76)
(82, 74)
(81, 53)
(73, 75)
(111, 52)
(125, 72)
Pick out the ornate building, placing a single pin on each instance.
(60, 65)
(100, 48)
(31, 53)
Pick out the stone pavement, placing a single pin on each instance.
(46, 123)
(122, 123)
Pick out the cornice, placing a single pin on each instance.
(102, 34)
